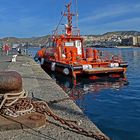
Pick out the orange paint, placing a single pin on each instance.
(69, 53)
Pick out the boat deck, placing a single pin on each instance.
(102, 70)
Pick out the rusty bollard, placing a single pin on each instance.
(10, 81)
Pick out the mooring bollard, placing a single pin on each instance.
(14, 58)
(16, 108)
(10, 81)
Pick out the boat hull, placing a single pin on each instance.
(77, 71)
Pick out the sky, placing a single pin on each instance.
(32, 18)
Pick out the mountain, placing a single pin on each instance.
(123, 33)
(36, 41)
(32, 40)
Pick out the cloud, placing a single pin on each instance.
(2, 10)
(124, 24)
(110, 11)
(25, 27)
(137, 5)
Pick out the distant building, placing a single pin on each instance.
(127, 41)
(15, 45)
(136, 40)
(131, 41)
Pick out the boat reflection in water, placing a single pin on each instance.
(85, 85)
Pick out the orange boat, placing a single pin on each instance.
(66, 54)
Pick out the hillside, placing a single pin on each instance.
(32, 40)
(123, 33)
(42, 40)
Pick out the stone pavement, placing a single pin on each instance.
(36, 81)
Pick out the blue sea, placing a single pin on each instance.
(113, 105)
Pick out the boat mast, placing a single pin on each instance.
(69, 16)
(76, 5)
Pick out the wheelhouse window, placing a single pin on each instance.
(78, 46)
(51, 44)
(69, 44)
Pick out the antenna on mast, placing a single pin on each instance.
(69, 16)
(76, 5)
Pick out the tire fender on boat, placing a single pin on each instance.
(66, 71)
(42, 61)
(53, 66)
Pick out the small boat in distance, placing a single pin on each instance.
(66, 54)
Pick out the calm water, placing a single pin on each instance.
(114, 106)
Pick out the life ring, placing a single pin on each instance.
(68, 32)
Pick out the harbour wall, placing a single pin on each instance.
(40, 86)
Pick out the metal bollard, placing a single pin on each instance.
(10, 81)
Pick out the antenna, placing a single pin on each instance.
(76, 10)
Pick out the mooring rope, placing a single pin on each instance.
(17, 104)
(12, 98)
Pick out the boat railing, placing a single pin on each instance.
(50, 51)
(75, 32)
(107, 56)
(58, 32)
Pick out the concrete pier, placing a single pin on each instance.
(36, 81)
